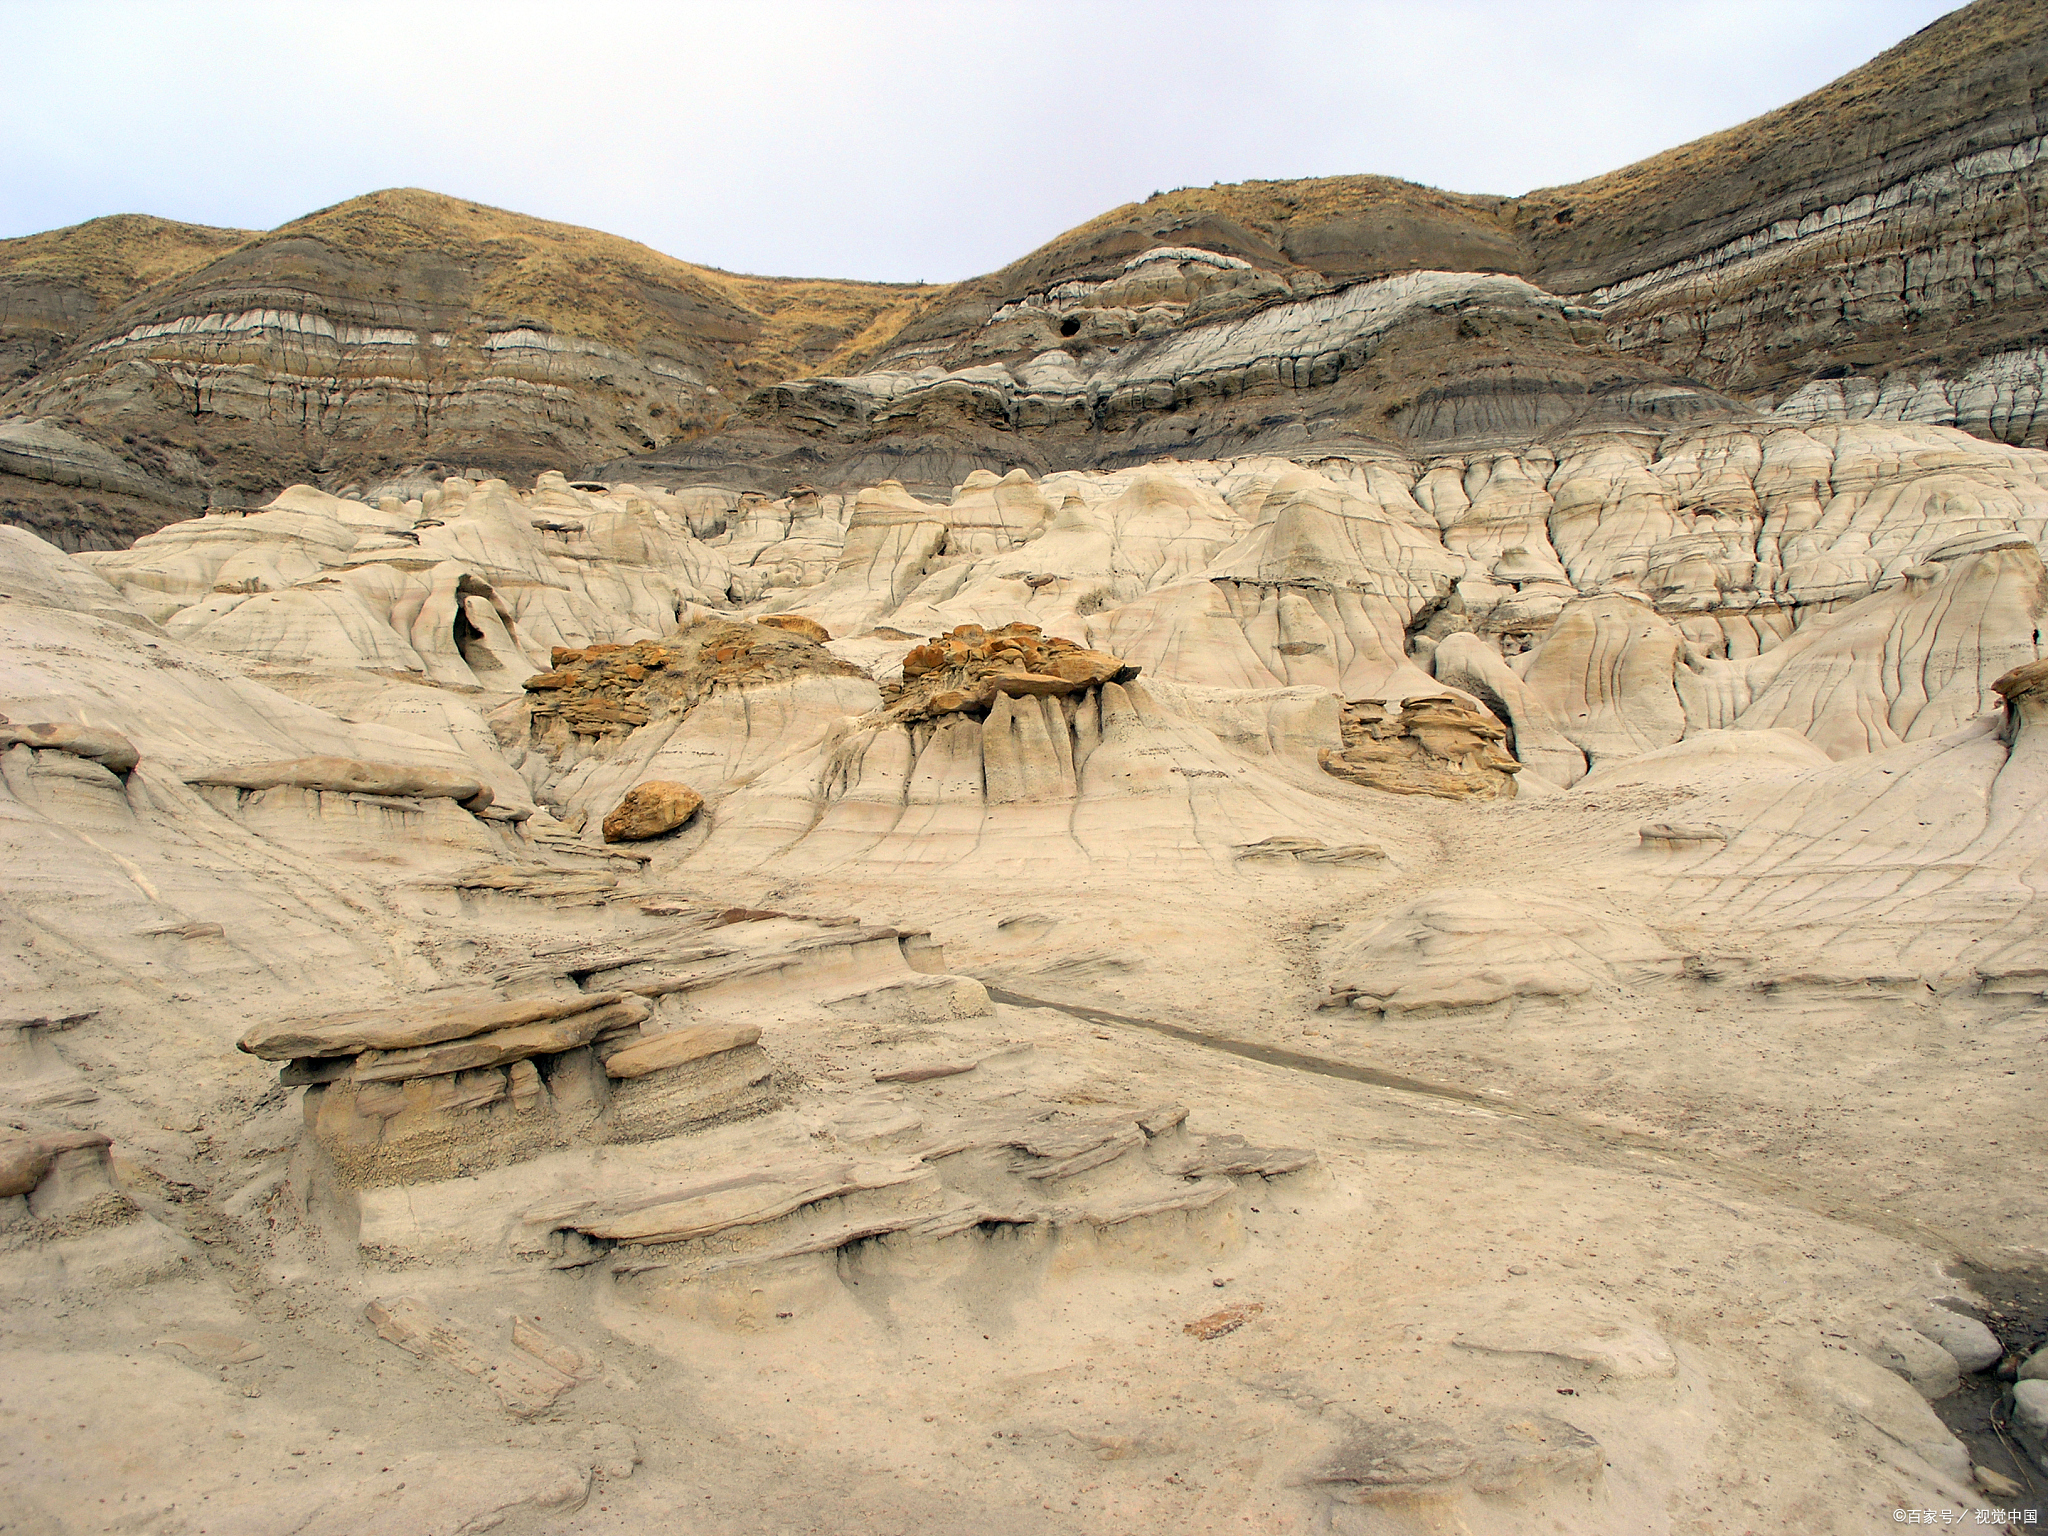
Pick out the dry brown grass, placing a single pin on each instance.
(1970, 61)
(1265, 207)
(579, 282)
(115, 258)
(582, 282)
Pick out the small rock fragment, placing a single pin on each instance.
(612, 1452)
(797, 624)
(925, 1073)
(1225, 1320)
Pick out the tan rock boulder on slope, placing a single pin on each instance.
(653, 808)
(1425, 746)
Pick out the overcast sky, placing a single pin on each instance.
(894, 139)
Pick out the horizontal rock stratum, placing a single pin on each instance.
(1864, 252)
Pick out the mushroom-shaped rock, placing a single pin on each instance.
(797, 624)
(650, 809)
(2025, 691)
(969, 666)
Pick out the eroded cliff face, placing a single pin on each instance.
(160, 369)
(1868, 251)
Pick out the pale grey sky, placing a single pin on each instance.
(891, 139)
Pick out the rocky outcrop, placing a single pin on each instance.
(1425, 746)
(110, 749)
(353, 776)
(1871, 241)
(412, 1094)
(602, 691)
(968, 668)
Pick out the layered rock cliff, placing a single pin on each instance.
(158, 369)
(1868, 250)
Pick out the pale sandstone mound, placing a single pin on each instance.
(466, 585)
(1476, 948)
(1908, 863)
(1103, 775)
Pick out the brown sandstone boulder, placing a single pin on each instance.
(969, 666)
(649, 810)
(23, 1162)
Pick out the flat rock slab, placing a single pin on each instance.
(214, 1348)
(409, 1025)
(1397, 1460)
(927, 1072)
(500, 1046)
(110, 749)
(525, 1383)
(1224, 1320)
(652, 1053)
(352, 775)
